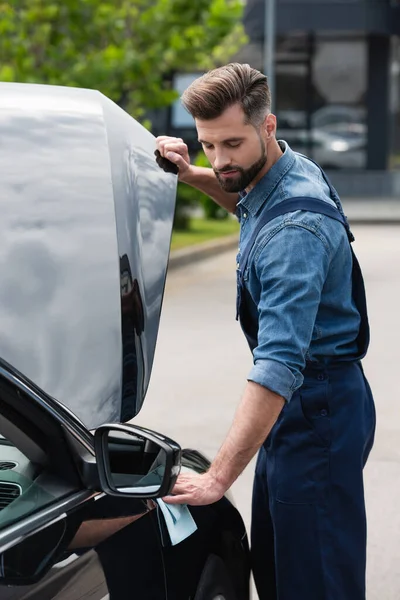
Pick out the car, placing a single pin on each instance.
(85, 230)
(337, 138)
(344, 150)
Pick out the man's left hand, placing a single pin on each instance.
(196, 490)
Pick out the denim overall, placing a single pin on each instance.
(308, 517)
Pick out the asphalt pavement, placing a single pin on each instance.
(200, 372)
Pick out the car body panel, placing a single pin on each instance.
(81, 198)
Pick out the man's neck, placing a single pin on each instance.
(274, 154)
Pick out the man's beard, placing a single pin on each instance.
(244, 176)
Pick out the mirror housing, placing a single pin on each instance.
(135, 462)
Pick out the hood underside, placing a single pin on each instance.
(85, 228)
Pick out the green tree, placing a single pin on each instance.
(127, 49)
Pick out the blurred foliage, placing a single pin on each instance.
(187, 198)
(127, 49)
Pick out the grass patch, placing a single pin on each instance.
(202, 230)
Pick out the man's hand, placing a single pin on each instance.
(254, 419)
(176, 151)
(196, 490)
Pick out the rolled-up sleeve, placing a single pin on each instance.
(291, 269)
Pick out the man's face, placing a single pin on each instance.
(236, 151)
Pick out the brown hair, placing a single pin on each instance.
(210, 95)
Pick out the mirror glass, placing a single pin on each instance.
(136, 465)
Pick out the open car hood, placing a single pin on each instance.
(85, 229)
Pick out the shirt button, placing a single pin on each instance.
(237, 266)
(244, 215)
(321, 377)
(324, 413)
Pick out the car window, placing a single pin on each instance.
(21, 491)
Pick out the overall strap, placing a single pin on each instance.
(321, 207)
(290, 205)
(333, 193)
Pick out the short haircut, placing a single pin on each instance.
(210, 95)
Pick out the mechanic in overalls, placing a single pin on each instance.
(307, 407)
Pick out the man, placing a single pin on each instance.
(306, 407)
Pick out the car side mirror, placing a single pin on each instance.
(136, 462)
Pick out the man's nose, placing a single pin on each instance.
(221, 161)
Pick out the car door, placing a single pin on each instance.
(49, 521)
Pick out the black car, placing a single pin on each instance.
(85, 228)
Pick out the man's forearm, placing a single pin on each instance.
(204, 179)
(254, 419)
(92, 533)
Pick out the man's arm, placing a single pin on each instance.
(254, 419)
(291, 284)
(202, 178)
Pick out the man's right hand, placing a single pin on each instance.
(176, 151)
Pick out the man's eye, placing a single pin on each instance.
(208, 146)
(234, 145)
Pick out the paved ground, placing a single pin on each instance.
(202, 361)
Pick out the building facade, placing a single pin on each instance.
(337, 87)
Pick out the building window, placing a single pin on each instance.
(395, 104)
(180, 118)
(321, 83)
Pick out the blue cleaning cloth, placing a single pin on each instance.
(179, 521)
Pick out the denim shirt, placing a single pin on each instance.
(299, 276)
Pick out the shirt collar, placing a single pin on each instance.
(264, 188)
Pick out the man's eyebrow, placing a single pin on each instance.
(227, 141)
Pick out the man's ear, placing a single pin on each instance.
(269, 126)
